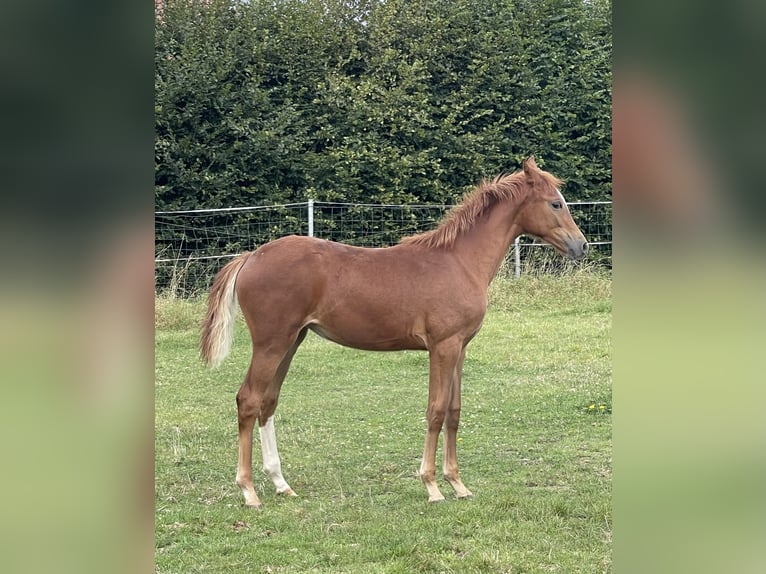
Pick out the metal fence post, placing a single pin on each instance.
(516, 258)
(311, 217)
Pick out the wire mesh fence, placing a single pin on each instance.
(190, 246)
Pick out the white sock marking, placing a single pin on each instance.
(271, 463)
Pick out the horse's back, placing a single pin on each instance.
(370, 298)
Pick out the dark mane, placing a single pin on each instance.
(475, 203)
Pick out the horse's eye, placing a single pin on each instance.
(556, 205)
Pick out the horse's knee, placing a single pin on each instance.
(435, 417)
(452, 419)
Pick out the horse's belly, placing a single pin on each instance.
(368, 338)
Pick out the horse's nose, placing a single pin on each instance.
(585, 247)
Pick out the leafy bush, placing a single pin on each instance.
(374, 101)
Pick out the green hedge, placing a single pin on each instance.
(374, 101)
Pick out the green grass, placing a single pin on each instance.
(534, 447)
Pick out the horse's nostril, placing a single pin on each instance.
(585, 247)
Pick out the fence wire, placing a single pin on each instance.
(191, 245)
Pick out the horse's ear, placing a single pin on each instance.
(529, 165)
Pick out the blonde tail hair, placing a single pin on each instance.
(218, 326)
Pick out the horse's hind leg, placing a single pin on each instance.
(272, 465)
(248, 407)
(257, 399)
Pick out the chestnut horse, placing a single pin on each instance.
(429, 292)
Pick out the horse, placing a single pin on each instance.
(428, 292)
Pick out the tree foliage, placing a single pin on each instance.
(379, 101)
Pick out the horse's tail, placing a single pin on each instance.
(218, 326)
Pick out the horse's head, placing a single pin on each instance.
(545, 213)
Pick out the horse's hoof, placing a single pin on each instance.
(436, 500)
(288, 492)
(468, 496)
(258, 506)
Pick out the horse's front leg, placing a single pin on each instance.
(443, 358)
(451, 424)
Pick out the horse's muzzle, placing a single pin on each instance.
(576, 247)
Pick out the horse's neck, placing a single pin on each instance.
(483, 248)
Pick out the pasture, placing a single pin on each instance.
(534, 447)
